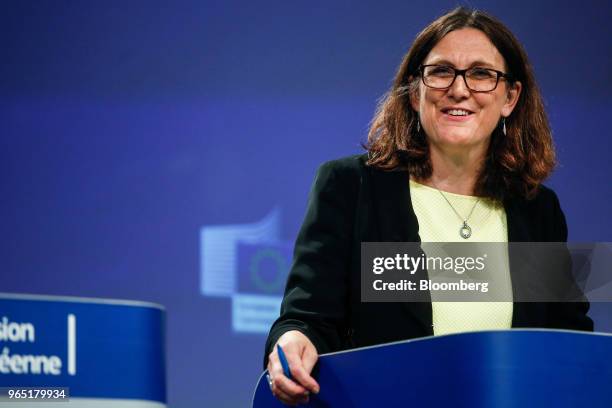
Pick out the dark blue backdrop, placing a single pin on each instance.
(127, 127)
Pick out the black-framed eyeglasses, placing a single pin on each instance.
(477, 79)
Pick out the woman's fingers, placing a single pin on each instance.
(286, 398)
(285, 390)
(289, 386)
(301, 375)
(309, 359)
(281, 381)
(301, 356)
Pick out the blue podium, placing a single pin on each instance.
(106, 353)
(506, 368)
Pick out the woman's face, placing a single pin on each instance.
(462, 49)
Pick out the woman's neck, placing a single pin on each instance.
(455, 172)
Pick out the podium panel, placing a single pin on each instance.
(506, 368)
(103, 353)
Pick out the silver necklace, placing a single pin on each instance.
(465, 231)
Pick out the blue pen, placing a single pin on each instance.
(284, 363)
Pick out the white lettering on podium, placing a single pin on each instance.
(16, 332)
(29, 364)
(25, 332)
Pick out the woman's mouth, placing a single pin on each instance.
(456, 114)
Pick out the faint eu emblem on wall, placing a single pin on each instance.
(247, 263)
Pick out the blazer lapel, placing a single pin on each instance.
(524, 314)
(397, 222)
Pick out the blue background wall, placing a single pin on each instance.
(126, 127)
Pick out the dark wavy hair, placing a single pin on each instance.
(515, 164)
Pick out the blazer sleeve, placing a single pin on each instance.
(315, 296)
(568, 315)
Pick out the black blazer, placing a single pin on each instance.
(352, 203)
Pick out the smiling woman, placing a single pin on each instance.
(457, 152)
(465, 102)
(459, 116)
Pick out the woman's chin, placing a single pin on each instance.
(457, 140)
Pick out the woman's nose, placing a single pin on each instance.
(459, 89)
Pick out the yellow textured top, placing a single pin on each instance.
(439, 223)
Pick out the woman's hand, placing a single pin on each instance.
(301, 355)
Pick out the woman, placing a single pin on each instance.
(457, 152)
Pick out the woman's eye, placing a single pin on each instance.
(441, 71)
(481, 74)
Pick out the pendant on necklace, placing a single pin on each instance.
(465, 231)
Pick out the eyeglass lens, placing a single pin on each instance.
(477, 79)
